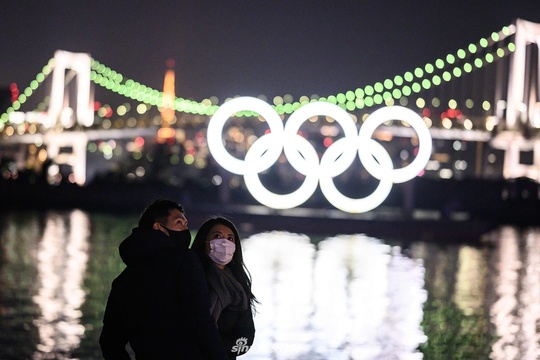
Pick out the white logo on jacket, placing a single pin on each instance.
(240, 346)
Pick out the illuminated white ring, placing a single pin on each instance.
(382, 115)
(308, 111)
(370, 202)
(215, 133)
(273, 200)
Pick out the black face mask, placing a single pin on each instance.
(180, 238)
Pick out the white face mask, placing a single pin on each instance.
(221, 251)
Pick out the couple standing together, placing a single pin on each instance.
(171, 302)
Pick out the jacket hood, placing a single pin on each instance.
(143, 243)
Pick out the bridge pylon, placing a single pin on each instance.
(76, 141)
(68, 112)
(519, 129)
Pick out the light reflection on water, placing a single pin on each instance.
(516, 312)
(353, 297)
(343, 297)
(61, 264)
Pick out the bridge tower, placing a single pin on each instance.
(518, 130)
(64, 113)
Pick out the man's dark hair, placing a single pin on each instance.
(158, 211)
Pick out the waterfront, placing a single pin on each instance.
(322, 297)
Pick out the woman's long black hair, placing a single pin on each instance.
(237, 266)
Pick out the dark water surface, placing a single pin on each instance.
(341, 297)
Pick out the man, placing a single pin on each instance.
(159, 303)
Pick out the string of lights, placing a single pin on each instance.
(398, 88)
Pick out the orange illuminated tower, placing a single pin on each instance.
(167, 108)
(167, 111)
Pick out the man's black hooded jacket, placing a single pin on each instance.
(159, 303)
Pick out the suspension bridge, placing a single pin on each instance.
(485, 94)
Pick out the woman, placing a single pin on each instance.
(231, 301)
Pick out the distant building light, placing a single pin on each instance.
(189, 159)
(447, 123)
(165, 133)
(491, 122)
(217, 180)
(121, 110)
(141, 108)
(446, 173)
(460, 165)
(433, 165)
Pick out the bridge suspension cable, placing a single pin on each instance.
(431, 75)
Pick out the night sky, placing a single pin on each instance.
(226, 48)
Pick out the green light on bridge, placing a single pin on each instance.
(408, 76)
(406, 90)
(369, 90)
(289, 108)
(484, 43)
(332, 99)
(478, 63)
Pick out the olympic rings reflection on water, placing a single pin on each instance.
(337, 158)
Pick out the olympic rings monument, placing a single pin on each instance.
(301, 155)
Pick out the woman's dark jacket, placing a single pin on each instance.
(159, 303)
(237, 331)
(231, 307)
